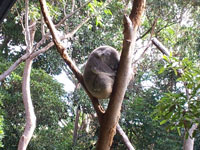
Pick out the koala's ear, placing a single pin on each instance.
(99, 54)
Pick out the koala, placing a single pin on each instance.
(100, 71)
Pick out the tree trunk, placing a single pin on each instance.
(29, 109)
(189, 141)
(26, 94)
(75, 134)
(112, 115)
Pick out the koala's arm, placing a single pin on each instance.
(97, 72)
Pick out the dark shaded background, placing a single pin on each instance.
(5, 6)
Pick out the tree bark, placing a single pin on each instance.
(160, 46)
(125, 138)
(29, 109)
(75, 134)
(189, 141)
(26, 94)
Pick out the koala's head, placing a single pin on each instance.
(109, 56)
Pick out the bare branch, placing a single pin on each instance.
(73, 4)
(44, 49)
(69, 15)
(24, 57)
(161, 47)
(26, 94)
(27, 32)
(125, 138)
(29, 109)
(14, 66)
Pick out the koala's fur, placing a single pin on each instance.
(100, 71)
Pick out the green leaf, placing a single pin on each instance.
(179, 131)
(163, 122)
(99, 21)
(107, 12)
(175, 71)
(91, 7)
(166, 58)
(161, 70)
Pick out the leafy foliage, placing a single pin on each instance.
(1, 130)
(49, 100)
(181, 107)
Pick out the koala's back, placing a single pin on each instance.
(100, 71)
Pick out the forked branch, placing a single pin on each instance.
(112, 115)
(67, 59)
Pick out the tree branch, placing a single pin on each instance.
(112, 115)
(26, 94)
(125, 138)
(150, 29)
(67, 59)
(36, 53)
(161, 47)
(13, 66)
(27, 31)
(72, 13)
(29, 109)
